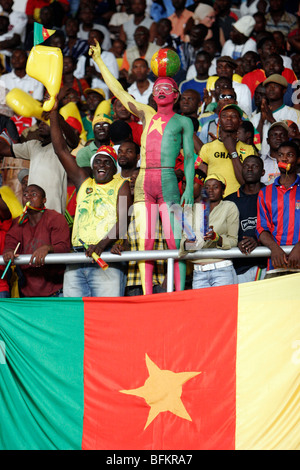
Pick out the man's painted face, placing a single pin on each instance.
(164, 91)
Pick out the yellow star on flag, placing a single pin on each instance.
(162, 391)
(157, 126)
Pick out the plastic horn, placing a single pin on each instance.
(45, 64)
(9, 263)
(95, 257)
(285, 166)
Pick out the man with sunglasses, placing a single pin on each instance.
(156, 189)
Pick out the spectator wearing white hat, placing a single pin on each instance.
(240, 40)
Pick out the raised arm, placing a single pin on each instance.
(74, 172)
(189, 167)
(138, 109)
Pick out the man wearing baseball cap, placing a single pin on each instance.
(97, 222)
(101, 129)
(225, 155)
(273, 108)
(93, 96)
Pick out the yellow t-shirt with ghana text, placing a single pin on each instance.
(218, 160)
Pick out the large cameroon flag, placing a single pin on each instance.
(207, 369)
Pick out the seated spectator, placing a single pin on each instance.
(259, 94)
(225, 155)
(87, 68)
(202, 64)
(87, 22)
(17, 22)
(271, 64)
(248, 134)
(179, 18)
(222, 94)
(189, 103)
(164, 38)
(293, 36)
(101, 129)
(99, 226)
(277, 134)
(273, 108)
(250, 60)
(70, 81)
(5, 224)
(203, 14)
(278, 216)
(39, 231)
(222, 233)
(74, 46)
(143, 48)
(138, 18)
(278, 19)
(118, 18)
(142, 87)
(225, 69)
(93, 97)
(18, 77)
(225, 18)
(128, 158)
(118, 49)
(121, 113)
(252, 269)
(240, 40)
(188, 50)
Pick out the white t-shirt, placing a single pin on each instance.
(28, 84)
(281, 114)
(135, 92)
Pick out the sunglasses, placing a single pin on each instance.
(226, 97)
(166, 87)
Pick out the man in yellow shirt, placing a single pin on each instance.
(225, 155)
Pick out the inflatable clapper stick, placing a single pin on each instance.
(45, 64)
(24, 104)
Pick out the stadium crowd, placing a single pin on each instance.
(68, 178)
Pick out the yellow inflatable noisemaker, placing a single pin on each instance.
(24, 104)
(45, 64)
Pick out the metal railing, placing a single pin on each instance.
(169, 255)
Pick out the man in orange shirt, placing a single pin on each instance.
(179, 18)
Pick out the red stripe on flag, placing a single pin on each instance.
(135, 347)
(162, 60)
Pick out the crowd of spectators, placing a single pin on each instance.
(238, 83)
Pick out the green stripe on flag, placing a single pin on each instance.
(41, 373)
(40, 34)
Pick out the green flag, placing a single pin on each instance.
(40, 34)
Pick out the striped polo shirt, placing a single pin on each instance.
(278, 212)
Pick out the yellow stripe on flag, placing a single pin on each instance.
(268, 365)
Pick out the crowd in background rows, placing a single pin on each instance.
(241, 53)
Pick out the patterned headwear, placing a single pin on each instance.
(214, 176)
(106, 150)
(101, 118)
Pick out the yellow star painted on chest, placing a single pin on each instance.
(157, 126)
(162, 391)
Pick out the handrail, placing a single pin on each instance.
(169, 255)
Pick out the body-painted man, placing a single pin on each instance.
(156, 189)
